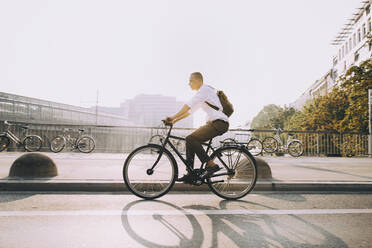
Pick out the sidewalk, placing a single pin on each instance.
(103, 172)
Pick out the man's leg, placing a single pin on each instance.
(194, 141)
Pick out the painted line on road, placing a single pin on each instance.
(181, 212)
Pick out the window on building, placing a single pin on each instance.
(339, 54)
(356, 56)
(354, 39)
(368, 9)
(359, 36)
(335, 61)
(346, 48)
(350, 44)
(364, 30)
(343, 51)
(369, 25)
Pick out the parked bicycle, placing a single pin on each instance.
(254, 145)
(31, 143)
(275, 144)
(83, 143)
(150, 171)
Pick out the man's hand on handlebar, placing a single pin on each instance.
(168, 121)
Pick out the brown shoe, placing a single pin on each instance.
(209, 170)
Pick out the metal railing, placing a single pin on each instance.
(123, 139)
(319, 143)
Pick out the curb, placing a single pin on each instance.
(119, 186)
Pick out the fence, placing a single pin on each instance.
(318, 143)
(123, 139)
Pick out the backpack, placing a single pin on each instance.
(227, 107)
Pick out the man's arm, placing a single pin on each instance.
(183, 113)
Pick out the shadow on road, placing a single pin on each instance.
(190, 229)
(6, 197)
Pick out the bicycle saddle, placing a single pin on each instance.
(81, 130)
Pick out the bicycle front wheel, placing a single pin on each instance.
(270, 145)
(255, 147)
(57, 144)
(239, 176)
(86, 144)
(4, 142)
(32, 143)
(149, 171)
(295, 148)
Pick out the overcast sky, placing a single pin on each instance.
(258, 52)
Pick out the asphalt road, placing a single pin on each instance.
(185, 220)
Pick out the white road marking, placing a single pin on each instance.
(31, 213)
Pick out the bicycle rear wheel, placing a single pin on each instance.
(239, 178)
(32, 143)
(4, 142)
(57, 144)
(147, 183)
(86, 144)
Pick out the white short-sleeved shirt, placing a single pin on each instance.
(208, 94)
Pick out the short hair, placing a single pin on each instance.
(197, 75)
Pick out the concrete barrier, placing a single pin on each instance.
(33, 165)
(263, 169)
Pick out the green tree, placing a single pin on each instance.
(344, 108)
(356, 82)
(263, 118)
(273, 116)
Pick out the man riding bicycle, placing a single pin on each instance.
(217, 124)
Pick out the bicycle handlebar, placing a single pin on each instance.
(167, 123)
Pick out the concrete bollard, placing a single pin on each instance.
(33, 165)
(263, 169)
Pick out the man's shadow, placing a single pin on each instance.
(263, 230)
(244, 230)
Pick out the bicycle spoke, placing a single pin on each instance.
(237, 161)
(144, 184)
(242, 181)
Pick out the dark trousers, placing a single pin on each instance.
(204, 133)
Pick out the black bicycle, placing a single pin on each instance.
(150, 171)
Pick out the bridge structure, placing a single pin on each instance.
(114, 133)
(31, 110)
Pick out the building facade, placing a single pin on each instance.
(353, 44)
(149, 110)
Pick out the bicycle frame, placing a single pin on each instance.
(166, 141)
(281, 143)
(12, 136)
(71, 140)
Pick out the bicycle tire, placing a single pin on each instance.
(32, 143)
(229, 141)
(270, 145)
(58, 143)
(85, 144)
(143, 183)
(243, 177)
(295, 148)
(254, 146)
(4, 142)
